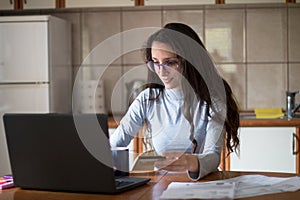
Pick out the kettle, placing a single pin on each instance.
(291, 106)
(133, 89)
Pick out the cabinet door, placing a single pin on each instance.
(98, 3)
(177, 2)
(265, 149)
(38, 4)
(254, 1)
(21, 99)
(23, 52)
(6, 4)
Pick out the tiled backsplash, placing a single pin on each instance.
(256, 47)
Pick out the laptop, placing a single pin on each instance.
(47, 152)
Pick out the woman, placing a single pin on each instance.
(188, 108)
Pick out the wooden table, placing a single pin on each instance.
(152, 190)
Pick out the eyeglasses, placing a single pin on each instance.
(170, 64)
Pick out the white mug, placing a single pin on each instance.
(120, 160)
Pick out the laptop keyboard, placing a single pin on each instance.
(120, 183)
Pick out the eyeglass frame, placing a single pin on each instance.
(157, 66)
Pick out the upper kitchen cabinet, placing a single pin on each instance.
(97, 3)
(253, 1)
(177, 2)
(6, 4)
(26, 4)
(38, 4)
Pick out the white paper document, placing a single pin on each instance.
(199, 190)
(238, 187)
(255, 185)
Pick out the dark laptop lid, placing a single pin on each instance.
(46, 152)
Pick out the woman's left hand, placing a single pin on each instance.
(178, 161)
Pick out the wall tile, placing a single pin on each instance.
(224, 34)
(142, 20)
(266, 35)
(294, 80)
(114, 90)
(258, 75)
(235, 75)
(294, 32)
(75, 70)
(266, 85)
(97, 27)
(193, 18)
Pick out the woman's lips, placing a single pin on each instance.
(167, 80)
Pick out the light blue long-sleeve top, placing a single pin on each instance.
(170, 131)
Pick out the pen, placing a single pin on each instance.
(153, 157)
(7, 177)
(5, 180)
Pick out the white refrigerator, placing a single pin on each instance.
(35, 69)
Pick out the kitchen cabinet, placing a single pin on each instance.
(254, 1)
(177, 2)
(266, 149)
(6, 4)
(27, 4)
(203, 2)
(97, 3)
(38, 4)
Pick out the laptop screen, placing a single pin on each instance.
(48, 152)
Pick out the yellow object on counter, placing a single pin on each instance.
(270, 113)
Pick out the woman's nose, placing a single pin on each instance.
(163, 70)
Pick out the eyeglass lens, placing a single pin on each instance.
(165, 65)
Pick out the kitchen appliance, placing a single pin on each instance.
(291, 106)
(133, 89)
(35, 69)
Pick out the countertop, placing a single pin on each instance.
(247, 119)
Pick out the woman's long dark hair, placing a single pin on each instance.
(190, 50)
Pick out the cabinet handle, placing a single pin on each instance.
(25, 1)
(11, 2)
(295, 141)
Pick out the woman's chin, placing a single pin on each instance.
(169, 86)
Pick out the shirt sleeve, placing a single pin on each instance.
(130, 124)
(209, 159)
